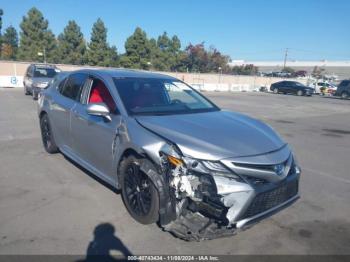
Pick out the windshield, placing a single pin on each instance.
(45, 72)
(151, 96)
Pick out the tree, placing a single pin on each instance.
(179, 56)
(162, 58)
(9, 43)
(217, 61)
(71, 45)
(167, 54)
(1, 14)
(197, 58)
(99, 52)
(318, 72)
(37, 42)
(138, 51)
(245, 70)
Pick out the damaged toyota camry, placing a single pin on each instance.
(178, 159)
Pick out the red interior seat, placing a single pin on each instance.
(100, 94)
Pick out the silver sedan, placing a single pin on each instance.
(178, 159)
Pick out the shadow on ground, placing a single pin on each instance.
(106, 246)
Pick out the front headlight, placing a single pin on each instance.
(213, 168)
(296, 166)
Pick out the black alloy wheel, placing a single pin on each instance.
(46, 135)
(139, 193)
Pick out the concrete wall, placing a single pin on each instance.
(11, 75)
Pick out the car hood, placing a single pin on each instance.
(214, 135)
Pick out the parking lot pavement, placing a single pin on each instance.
(48, 205)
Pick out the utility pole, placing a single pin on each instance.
(285, 58)
(44, 55)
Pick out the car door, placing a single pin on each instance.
(292, 87)
(94, 136)
(68, 93)
(283, 87)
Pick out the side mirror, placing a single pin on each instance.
(99, 109)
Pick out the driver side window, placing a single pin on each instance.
(99, 93)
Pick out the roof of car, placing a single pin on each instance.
(127, 73)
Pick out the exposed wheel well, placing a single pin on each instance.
(128, 152)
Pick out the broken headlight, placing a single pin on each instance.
(214, 168)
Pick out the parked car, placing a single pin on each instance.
(300, 73)
(324, 88)
(178, 159)
(343, 89)
(291, 87)
(278, 74)
(37, 77)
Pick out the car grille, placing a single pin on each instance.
(266, 200)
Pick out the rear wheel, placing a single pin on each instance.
(140, 195)
(47, 136)
(300, 93)
(344, 95)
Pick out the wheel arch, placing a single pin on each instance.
(42, 113)
(130, 152)
(167, 213)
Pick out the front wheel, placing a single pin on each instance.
(26, 92)
(275, 90)
(139, 194)
(35, 95)
(300, 93)
(47, 136)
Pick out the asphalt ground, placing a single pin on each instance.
(48, 205)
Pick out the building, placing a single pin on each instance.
(339, 68)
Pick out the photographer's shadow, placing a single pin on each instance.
(103, 243)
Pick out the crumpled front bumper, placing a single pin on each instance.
(249, 202)
(254, 219)
(218, 205)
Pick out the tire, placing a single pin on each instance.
(140, 195)
(275, 90)
(34, 95)
(47, 136)
(344, 95)
(26, 92)
(300, 93)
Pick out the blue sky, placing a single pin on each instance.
(243, 29)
